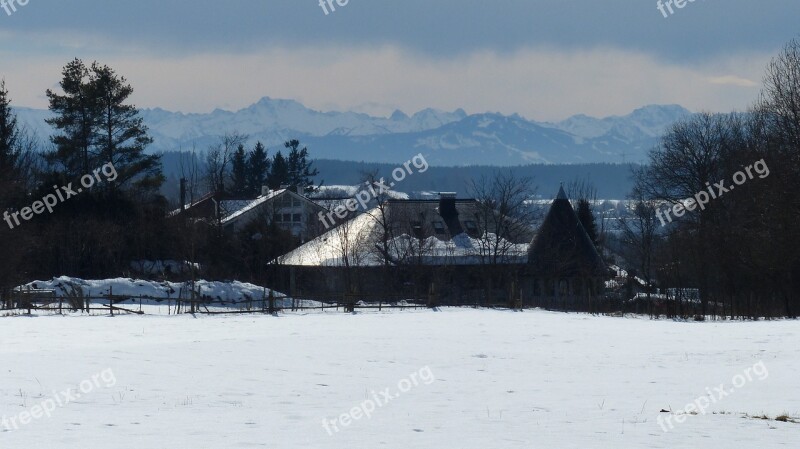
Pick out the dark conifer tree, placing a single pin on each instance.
(76, 114)
(300, 169)
(258, 169)
(9, 133)
(586, 217)
(279, 173)
(239, 172)
(120, 134)
(95, 126)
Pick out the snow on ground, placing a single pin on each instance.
(219, 291)
(498, 379)
(225, 295)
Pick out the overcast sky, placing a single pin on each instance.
(544, 59)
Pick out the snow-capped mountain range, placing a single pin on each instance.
(445, 138)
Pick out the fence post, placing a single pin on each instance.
(111, 300)
(432, 302)
(272, 309)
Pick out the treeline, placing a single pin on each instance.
(717, 206)
(243, 173)
(87, 202)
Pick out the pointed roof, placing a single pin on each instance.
(562, 195)
(562, 248)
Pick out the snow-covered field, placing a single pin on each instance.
(472, 379)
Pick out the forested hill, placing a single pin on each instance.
(613, 181)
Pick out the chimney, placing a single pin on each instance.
(265, 190)
(447, 205)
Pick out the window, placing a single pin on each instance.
(287, 218)
(438, 226)
(296, 218)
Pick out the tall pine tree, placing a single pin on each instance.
(9, 133)
(279, 173)
(586, 217)
(120, 133)
(95, 126)
(300, 169)
(75, 117)
(239, 172)
(258, 169)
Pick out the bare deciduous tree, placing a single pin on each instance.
(219, 160)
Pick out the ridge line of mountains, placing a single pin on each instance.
(445, 138)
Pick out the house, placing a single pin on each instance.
(450, 248)
(288, 209)
(408, 244)
(565, 270)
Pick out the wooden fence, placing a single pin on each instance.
(47, 301)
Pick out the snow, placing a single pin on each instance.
(651, 121)
(218, 291)
(332, 192)
(502, 379)
(152, 267)
(461, 250)
(326, 250)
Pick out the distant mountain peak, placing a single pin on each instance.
(398, 115)
(446, 138)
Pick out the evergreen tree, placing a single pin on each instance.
(586, 217)
(258, 169)
(120, 134)
(300, 170)
(94, 127)
(279, 173)
(239, 172)
(76, 114)
(9, 133)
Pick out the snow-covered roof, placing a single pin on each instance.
(188, 206)
(357, 242)
(327, 249)
(351, 191)
(248, 206)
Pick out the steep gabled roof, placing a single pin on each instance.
(245, 207)
(562, 248)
